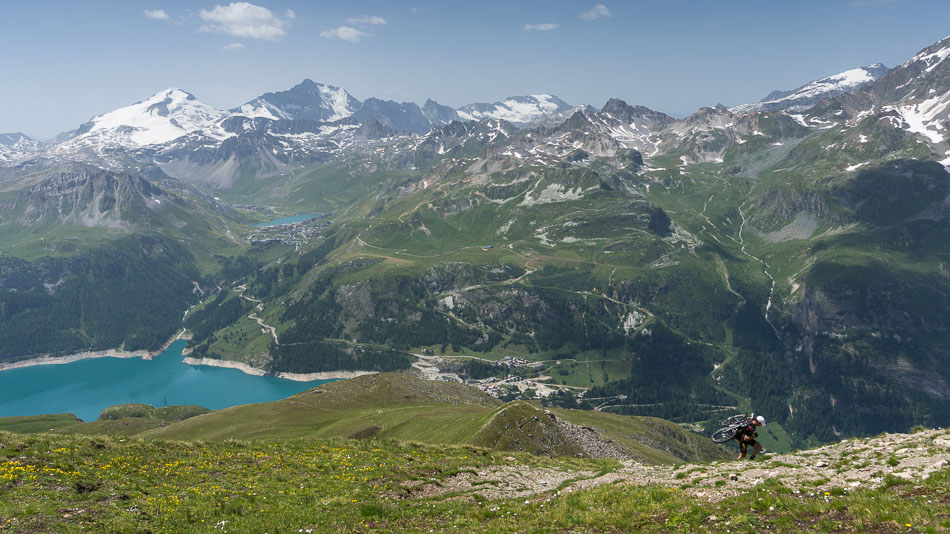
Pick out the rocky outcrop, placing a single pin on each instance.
(845, 466)
(88, 196)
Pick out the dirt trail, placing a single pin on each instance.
(848, 465)
(259, 307)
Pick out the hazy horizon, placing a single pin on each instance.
(75, 61)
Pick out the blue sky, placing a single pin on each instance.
(66, 61)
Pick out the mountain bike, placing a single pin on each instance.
(730, 427)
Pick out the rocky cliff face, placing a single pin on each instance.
(88, 196)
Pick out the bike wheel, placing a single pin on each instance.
(724, 434)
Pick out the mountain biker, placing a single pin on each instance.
(747, 434)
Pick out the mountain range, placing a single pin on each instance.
(786, 256)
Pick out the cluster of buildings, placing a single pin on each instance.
(289, 234)
(497, 387)
(511, 361)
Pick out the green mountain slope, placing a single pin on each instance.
(393, 406)
(695, 287)
(400, 407)
(93, 259)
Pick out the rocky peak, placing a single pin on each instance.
(88, 196)
(306, 100)
(373, 129)
(404, 117)
(438, 114)
(620, 110)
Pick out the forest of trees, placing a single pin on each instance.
(335, 356)
(129, 293)
(669, 377)
(226, 308)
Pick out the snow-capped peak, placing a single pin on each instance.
(15, 147)
(515, 109)
(306, 100)
(162, 117)
(810, 93)
(933, 55)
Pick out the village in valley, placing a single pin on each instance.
(522, 378)
(292, 233)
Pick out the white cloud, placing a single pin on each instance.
(594, 13)
(542, 27)
(157, 14)
(243, 19)
(232, 47)
(290, 14)
(366, 19)
(344, 32)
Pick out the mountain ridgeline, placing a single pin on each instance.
(787, 256)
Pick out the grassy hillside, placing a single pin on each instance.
(400, 407)
(384, 406)
(403, 408)
(32, 424)
(54, 483)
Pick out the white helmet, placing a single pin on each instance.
(760, 419)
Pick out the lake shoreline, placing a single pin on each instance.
(89, 387)
(148, 355)
(297, 377)
(46, 359)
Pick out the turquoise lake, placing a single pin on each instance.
(87, 387)
(288, 220)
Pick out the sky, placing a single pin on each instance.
(65, 61)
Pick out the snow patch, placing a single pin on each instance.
(800, 119)
(933, 59)
(514, 109)
(856, 166)
(923, 118)
(553, 193)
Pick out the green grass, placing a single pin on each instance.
(38, 423)
(146, 411)
(398, 409)
(388, 406)
(639, 436)
(119, 420)
(73, 484)
(243, 341)
(774, 438)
